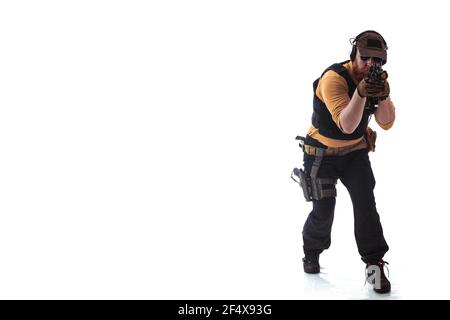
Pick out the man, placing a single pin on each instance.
(336, 147)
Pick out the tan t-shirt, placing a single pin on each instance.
(332, 90)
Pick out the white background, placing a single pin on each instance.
(146, 148)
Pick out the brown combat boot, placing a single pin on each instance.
(311, 264)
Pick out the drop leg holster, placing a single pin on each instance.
(311, 185)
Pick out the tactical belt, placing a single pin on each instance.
(340, 151)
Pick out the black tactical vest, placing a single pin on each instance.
(321, 118)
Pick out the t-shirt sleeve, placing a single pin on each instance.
(333, 91)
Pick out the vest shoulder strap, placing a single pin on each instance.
(342, 71)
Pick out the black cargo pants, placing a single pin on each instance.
(355, 172)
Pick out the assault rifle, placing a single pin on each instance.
(376, 75)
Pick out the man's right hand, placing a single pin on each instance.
(368, 88)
